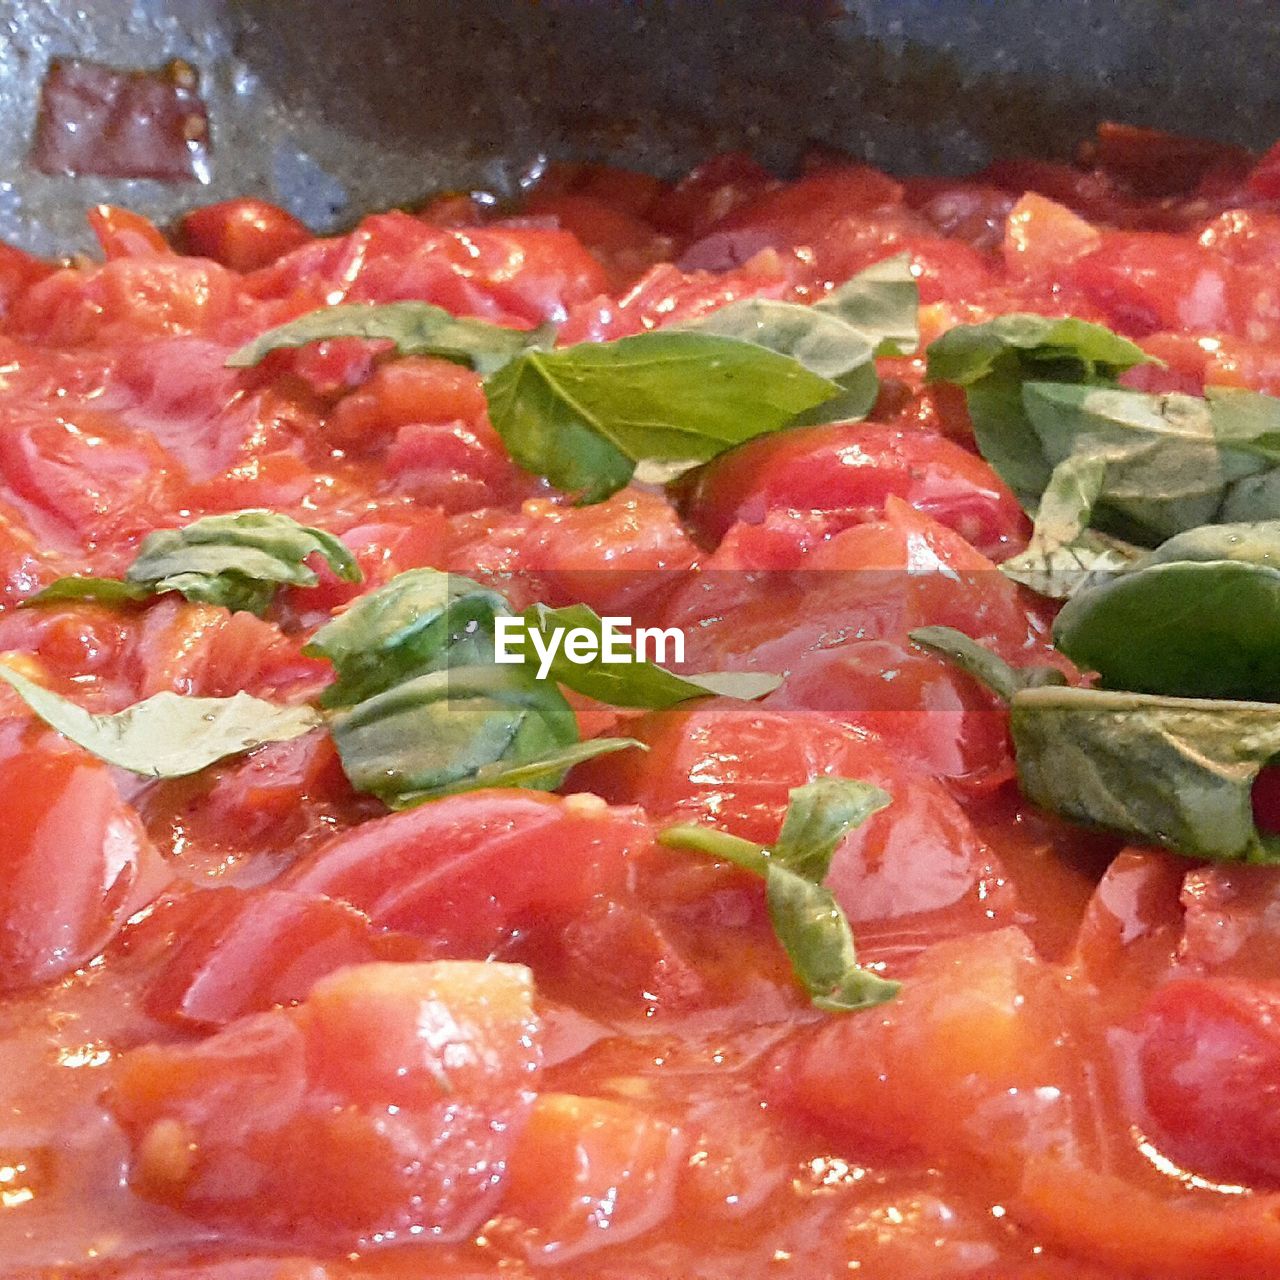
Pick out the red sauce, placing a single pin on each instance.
(267, 1072)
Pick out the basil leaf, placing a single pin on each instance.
(816, 936)
(883, 302)
(1172, 771)
(820, 815)
(1199, 617)
(108, 591)
(808, 922)
(838, 337)
(238, 560)
(167, 735)
(1064, 554)
(624, 681)
(416, 328)
(1247, 420)
(987, 668)
(422, 620)
(1166, 471)
(435, 733)
(543, 774)
(992, 360)
(584, 416)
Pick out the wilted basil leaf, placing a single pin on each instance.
(422, 620)
(806, 918)
(1064, 554)
(994, 359)
(434, 733)
(108, 591)
(585, 415)
(167, 735)
(1199, 617)
(238, 560)
(838, 337)
(987, 668)
(416, 328)
(1172, 771)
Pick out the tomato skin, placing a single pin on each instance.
(1209, 1055)
(243, 234)
(123, 234)
(77, 864)
(233, 952)
(847, 472)
(419, 1076)
(18, 271)
(933, 718)
(466, 871)
(710, 192)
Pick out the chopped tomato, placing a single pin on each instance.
(241, 234)
(416, 1075)
(77, 863)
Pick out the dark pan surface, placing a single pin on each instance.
(333, 107)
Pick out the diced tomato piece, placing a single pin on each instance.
(467, 871)
(77, 863)
(1145, 281)
(847, 471)
(264, 797)
(404, 391)
(1152, 163)
(966, 211)
(932, 717)
(626, 244)
(124, 234)
(589, 1172)
(710, 192)
(1231, 925)
(233, 952)
(624, 189)
(243, 234)
(1130, 932)
(976, 1024)
(1210, 1062)
(18, 271)
(416, 1077)
(1043, 237)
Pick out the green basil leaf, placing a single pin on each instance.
(1172, 771)
(806, 918)
(435, 733)
(1199, 617)
(816, 936)
(238, 560)
(1165, 469)
(819, 815)
(1064, 554)
(108, 591)
(1247, 420)
(987, 668)
(883, 302)
(422, 620)
(623, 681)
(543, 774)
(167, 735)
(838, 337)
(992, 360)
(416, 328)
(585, 415)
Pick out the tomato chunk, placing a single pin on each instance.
(388, 1100)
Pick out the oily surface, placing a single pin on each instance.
(245, 1031)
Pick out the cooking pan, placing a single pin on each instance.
(332, 108)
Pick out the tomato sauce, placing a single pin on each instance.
(253, 1025)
